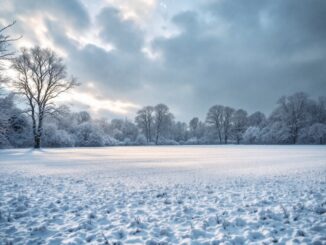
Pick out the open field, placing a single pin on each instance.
(164, 195)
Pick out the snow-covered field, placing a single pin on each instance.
(164, 195)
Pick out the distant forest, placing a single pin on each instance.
(41, 76)
(296, 120)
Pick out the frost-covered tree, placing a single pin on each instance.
(5, 41)
(196, 131)
(193, 124)
(292, 112)
(123, 131)
(83, 116)
(54, 137)
(145, 121)
(141, 140)
(252, 135)
(6, 110)
(41, 77)
(317, 132)
(319, 111)
(162, 121)
(313, 134)
(219, 117)
(65, 119)
(257, 119)
(129, 131)
(89, 134)
(275, 133)
(214, 118)
(179, 132)
(227, 122)
(239, 124)
(5, 52)
(14, 126)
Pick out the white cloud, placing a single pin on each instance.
(187, 54)
(96, 104)
(138, 10)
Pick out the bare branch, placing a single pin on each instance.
(41, 77)
(5, 41)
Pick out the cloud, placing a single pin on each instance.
(190, 56)
(137, 9)
(246, 53)
(90, 102)
(122, 33)
(72, 11)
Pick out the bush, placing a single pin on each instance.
(88, 134)
(53, 137)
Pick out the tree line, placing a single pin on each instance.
(41, 76)
(297, 119)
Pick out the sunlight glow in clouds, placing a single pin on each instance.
(97, 104)
(187, 54)
(137, 9)
(89, 38)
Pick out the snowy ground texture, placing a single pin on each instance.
(164, 195)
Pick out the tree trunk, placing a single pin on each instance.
(149, 133)
(156, 140)
(219, 135)
(37, 138)
(146, 134)
(37, 142)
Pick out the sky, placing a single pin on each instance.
(189, 55)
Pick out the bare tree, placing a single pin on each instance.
(145, 121)
(227, 122)
(193, 124)
(193, 127)
(257, 119)
(239, 120)
(5, 41)
(41, 77)
(320, 112)
(292, 111)
(219, 117)
(5, 52)
(214, 119)
(163, 119)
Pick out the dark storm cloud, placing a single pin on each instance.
(266, 49)
(244, 54)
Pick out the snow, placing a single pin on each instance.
(164, 195)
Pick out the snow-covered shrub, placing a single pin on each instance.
(192, 141)
(4, 142)
(252, 135)
(88, 134)
(110, 141)
(275, 133)
(127, 141)
(117, 134)
(314, 134)
(130, 131)
(164, 141)
(141, 140)
(122, 129)
(19, 130)
(15, 129)
(54, 137)
(318, 133)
